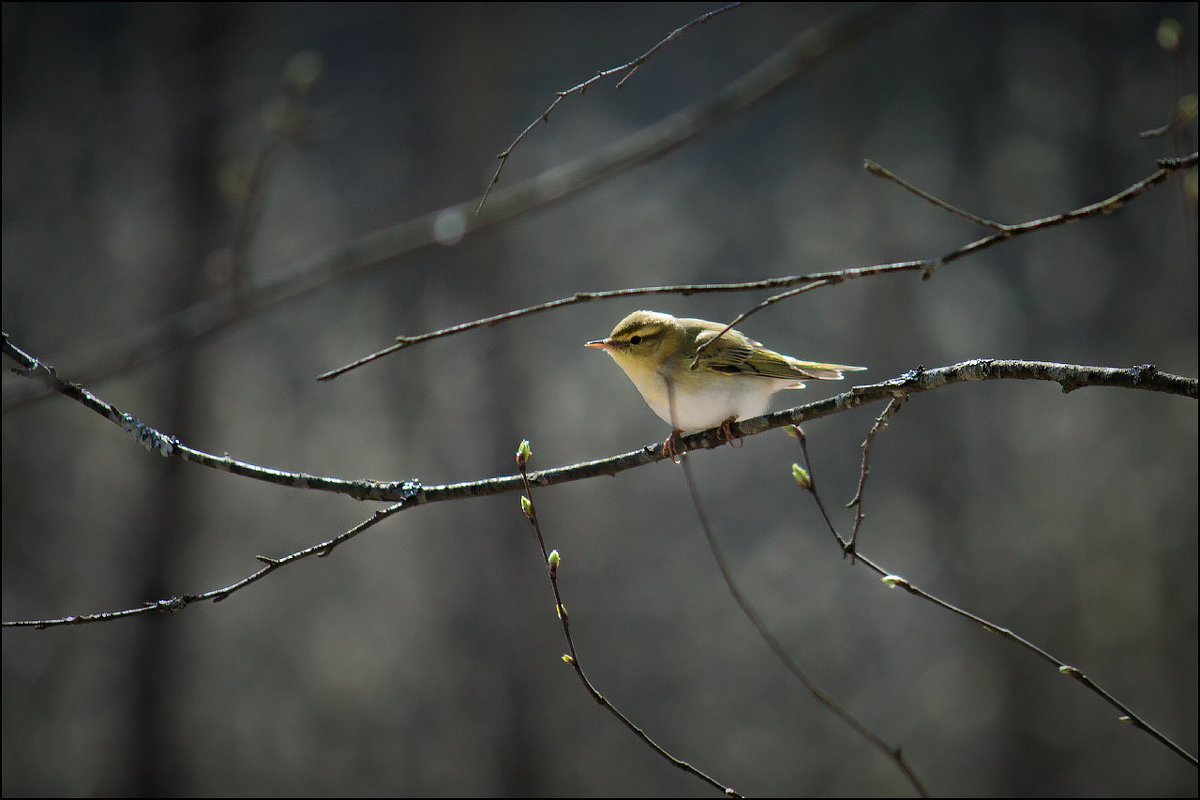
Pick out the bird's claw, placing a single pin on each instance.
(673, 446)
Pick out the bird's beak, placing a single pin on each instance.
(604, 343)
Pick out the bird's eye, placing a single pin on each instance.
(635, 340)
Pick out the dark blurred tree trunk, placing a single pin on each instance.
(471, 91)
(193, 87)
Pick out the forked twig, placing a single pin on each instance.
(781, 654)
(1166, 168)
(896, 581)
(856, 502)
(800, 284)
(372, 250)
(579, 88)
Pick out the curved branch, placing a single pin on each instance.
(406, 494)
(450, 225)
(579, 88)
(805, 283)
(848, 547)
(1070, 376)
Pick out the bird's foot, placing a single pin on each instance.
(673, 446)
(727, 432)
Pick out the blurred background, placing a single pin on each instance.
(423, 658)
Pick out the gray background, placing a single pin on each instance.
(423, 658)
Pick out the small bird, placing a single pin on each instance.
(734, 378)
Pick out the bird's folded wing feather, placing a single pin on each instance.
(739, 356)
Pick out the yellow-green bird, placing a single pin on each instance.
(734, 379)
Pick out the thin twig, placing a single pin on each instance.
(894, 753)
(828, 280)
(552, 560)
(809, 281)
(803, 283)
(856, 502)
(292, 124)
(875, 169)
(1185, 113)
(178, 602)
(1166, 168)
(378, 248)
(896, 581)
(580, 88)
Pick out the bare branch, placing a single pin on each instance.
(375, 249)
(875, 169)
(585, 297)
(291, 123)
(896, 581)
(1069, 376)
(780, 652)
(816, 280)
(856, 502)
(552, 560)
(1185, 112)
(1166, 168)
(178, 602)
(410, 493)
(579, 88)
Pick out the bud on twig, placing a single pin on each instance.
(801, 476)
(794, 431)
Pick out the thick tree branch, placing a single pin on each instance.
(408, 493)
(1070, 376)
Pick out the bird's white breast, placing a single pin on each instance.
(691, 408)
